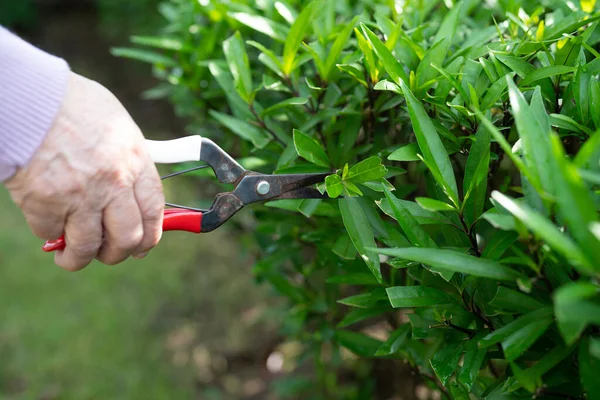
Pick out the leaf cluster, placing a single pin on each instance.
(462, 144)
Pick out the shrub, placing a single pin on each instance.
(462, 227)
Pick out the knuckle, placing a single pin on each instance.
(119, 178)
(111, 260)
(130, 240)
(153, 208)
(85, 250)
(45, 232)
(72, 265)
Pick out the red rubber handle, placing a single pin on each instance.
(175, 219)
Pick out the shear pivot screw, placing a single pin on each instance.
(263, 187)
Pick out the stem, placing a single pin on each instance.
(466, 331)
(439, 385)
(470, 234)
(264, 126)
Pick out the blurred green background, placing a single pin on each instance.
(187, 322)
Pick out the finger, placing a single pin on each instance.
(151, 202)
(44, 214)
(123, 229)
(47, 226)
(83, 238)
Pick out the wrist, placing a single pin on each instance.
(32, 87)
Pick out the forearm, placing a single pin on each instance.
(32, 86)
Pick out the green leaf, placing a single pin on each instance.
(391, 65)
(495, 92)
(367, 170)
(295, 36)
(589, 154)
(355, 278)
(287, 12)
(369, 55)
(344, 248)
(360, 232)
(445, 360)
(309, 149)
(449, 260)
(536, 140)
(294, 101)
(518, 65)
(524, 378)
(416, 296)
(434, 56)
(575, 204)
(472, 362)
(394, 342)
(421, 216)
(459, 392)
(499, 242)
(443, 88)
(361, 314)
(352, 189)
(507, 330)
(431, 146)
(411, 228)
(309, 206)
(595, 347)
(386, 85)
(581, 92)
(595, 101)
(437, 53)
(576, 306)
(523, 338)
(147, 56)
(433, 205)
(543, 228)
(588, 371)
(223, 77)
(338, 45)
(405, 153)
(448, 26)
(354, 71)
(333, 185)
(546, 72)
(513, 301)
(506, 147)
(261, 24)
(455, 83)
(567, 26)
(358, 343)
(476, 169)
(167, 43)
(239, 65)
(363, 300)
(550, 360)
(243, 129)
(565, 122)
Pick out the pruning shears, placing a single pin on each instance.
(249, 186)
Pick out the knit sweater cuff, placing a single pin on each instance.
(32, 86)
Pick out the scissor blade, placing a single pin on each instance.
(276, 186)
(302, 193)
(290, 183)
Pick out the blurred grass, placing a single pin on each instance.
(101, 333)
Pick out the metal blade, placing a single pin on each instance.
(277, 186)
(302, 193)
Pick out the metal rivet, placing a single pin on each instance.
(263, 187)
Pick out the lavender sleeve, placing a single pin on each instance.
(32, 86)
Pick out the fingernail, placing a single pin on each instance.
(141, 255)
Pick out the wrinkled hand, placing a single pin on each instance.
(92, 179)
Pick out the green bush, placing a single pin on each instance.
(464, 240)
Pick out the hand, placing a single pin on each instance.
(93, 179)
